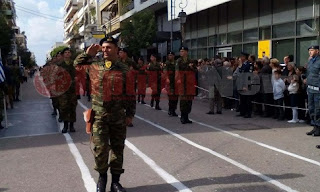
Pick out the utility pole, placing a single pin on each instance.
(171, 32)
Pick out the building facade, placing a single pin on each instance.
(290, 26)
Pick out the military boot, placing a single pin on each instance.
(102, 182)
(317, 132)
(152, 102)
(157, 105)
(115, 185)
(142, 100)
(174, 114)
(312, 131)
(138, 99)
(187, 119)
(54, 113)
(72, 127)
(183, 118)
(65, 127)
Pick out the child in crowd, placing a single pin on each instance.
(293, 93)
(278, 88)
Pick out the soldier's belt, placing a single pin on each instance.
(314, 88)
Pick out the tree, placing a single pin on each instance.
(139, 33)
(5, 37)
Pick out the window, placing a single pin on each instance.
(265, 12)
(236, 50)
(223, 18)
(212, 40)
(284, 11)
(250, 14)
(194, 43)
(235, 22)
(202, 42)
(211, 52)
(193, 54)
(188, 43)
(280, 49)
(283, 30)
(251, 48)
(235, 37)
(222, 39)
(304, 9)
(250, 35)
(302, 49)
(202, 53)
(265, 33)
(307, 27)
(176, 45)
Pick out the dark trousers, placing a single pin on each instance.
(268, 99)
(278, 111)
(245, 105)
(173, 102)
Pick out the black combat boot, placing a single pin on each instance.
(152, 101)
(312, 131)
(54, 113)
(102, 182)
(174, 114)
(317, 132)
(138, 99)
(65, 127)
(187, 118)
(318, 146)
(72, 127)
(115, 185)
(142, 100)
(183, 118)
(157, 105)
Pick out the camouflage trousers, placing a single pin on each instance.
(67, 106)
(173, 102)
(109, 134)
(186, 104)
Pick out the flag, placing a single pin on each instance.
(2, 76)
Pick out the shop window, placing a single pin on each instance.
(222, 39)
(235, 37)
(203, 42)
(302, 49)
(265, 12)
(305, 9)
(202, 53)
(236, 50)
(307, 27)
(250, 35)
(265, 33)
(194, 43)
(251, 48)
(280, 49)
(235, 20)
(211, 52)
(188, 43)
(284, 11)
(283, 30)
(212, 40)
(250, 14)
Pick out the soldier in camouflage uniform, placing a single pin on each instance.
(68, 100)
(169, 71)
(155, 71)
(131, 77)
(55, 101)
(186, 78)
(111, 110)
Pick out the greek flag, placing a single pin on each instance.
(2, 76)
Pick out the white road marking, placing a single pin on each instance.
(231, 161)
(255, 142)
(89, 182)
(156, 168)
(31, 135)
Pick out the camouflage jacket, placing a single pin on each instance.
(108, 79)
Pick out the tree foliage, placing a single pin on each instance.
(139, 33)
(5, 36)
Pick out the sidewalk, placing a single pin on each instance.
(31, 116)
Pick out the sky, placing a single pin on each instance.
(41, 32)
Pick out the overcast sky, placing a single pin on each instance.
(42, 33)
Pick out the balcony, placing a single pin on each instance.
(113, 25)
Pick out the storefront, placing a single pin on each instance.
(290, 26)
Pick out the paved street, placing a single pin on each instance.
(220, 153)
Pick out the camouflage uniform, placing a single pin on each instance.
(142, 82)
(169, 70)
(155, 82)
(68, 100)
(109, 127)
(186, 90)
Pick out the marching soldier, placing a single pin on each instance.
(68, 100)
(155, 80)
(142, 80)
(185, 77)
(131, 77)
(111, 113)
(169, 70)
(313, 82)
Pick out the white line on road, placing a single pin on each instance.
(231, 161)
(255, 142)
(162, 173)
(156, 168)
(89, 182)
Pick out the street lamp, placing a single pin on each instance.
(183, 18)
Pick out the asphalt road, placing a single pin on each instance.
(220, 153)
